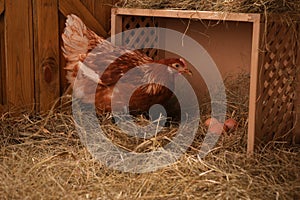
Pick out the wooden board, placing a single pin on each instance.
(2, 63)
(116, 26)
(187, 14)
(76, 7)
(297, 101)
(62, 61)
(46, 53)
(254, 77)
(1, 6)
(19, 54)
(101, 10)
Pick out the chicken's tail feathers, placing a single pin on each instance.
(78, 40)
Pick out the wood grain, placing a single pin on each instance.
(46, 57)
(254, 89)
(297, 100)
(188, 14)
(19, 54)
(2, 63)
(76, 7)
(101, 10)
(62, 61)
(1, 6)
(116, 27)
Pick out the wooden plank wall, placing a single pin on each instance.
(19, 54)
(31, 61)
(2, 56)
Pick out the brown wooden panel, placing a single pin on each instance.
(297, 100)
(46, 53)
(76, 7)
(62, 61)
(2, 62)
(1, 6)
(101, 10)
(19, 48)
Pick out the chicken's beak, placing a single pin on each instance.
(189, 72)
(186, 71)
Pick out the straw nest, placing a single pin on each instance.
(42, 157)
(242, 6)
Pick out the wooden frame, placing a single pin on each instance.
(255, 19)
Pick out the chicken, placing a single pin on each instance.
(98, 66)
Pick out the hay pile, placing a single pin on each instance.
(242, 6)
(42, 157)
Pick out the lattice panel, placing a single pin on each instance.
(141, 38)
(278, 82)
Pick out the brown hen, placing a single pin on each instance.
(98, 66)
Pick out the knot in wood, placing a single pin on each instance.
(49, 65)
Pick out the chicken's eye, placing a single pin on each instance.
(176, 65)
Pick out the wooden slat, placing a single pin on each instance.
(101, 10)
(2, 63)
(209, 15)
(1, 6)
(62, 61)
(19, 48)
(46, 53)
(297, 100)
(254, 89)
(76, 7)
(116, 27)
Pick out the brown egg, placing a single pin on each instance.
(231, 124)
(210, 121)
(216, 128)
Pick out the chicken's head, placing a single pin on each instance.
(178, 64)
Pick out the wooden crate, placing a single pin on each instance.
(268, 51)
(31, 62)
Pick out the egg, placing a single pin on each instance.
(210, 121)
(216, 128)
(231, 124)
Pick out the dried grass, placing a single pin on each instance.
(242, 6)
(42, 158)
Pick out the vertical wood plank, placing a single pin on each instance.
(116, 27)
(1, 6)
(2, 63)
(19, 48)
(62, 61)
(253, 108)
(297, 100)
(46, 53)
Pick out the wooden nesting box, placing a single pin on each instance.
(266, 49)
